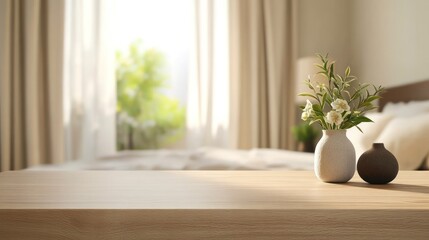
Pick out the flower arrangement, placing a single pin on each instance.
(338, 104)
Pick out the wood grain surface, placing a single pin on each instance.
(209, 205)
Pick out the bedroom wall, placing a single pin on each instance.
(385, 41)
(390, 41)
(323, 27)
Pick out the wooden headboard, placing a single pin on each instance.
(410, 92)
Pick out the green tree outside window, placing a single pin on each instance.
(146, 118)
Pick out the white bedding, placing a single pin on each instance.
(200, 159)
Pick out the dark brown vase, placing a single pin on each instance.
(377, 165)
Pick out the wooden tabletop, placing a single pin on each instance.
(205, 190)
(209, 205)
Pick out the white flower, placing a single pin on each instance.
(305, 116)
(334, 117)
(340, 105)
(308, 107)
(307, 111)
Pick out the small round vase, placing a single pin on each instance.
(377, 165)
(334, 157)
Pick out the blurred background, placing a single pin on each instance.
(86, 79)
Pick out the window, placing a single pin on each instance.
(142, 74)
(152, 67)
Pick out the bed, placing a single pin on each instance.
(205, 158)
(402, 124)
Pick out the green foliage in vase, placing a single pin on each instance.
(338, 104)
(146, 118)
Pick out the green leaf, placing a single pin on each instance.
(324, 101)
(372, 98)
(359, 128)
(363, 119)
(317, 108)
(307, 95)
(324, 74)
(370, 108)
(365, 104)
(358, 91)
(347, 72)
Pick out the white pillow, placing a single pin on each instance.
(402, 109)
(408, 139)
(363, 141)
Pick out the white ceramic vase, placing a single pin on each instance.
(334, 157)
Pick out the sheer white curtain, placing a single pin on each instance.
(208, 87)
(89, 84)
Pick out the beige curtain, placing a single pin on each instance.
(31, 43)
(262, 49)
